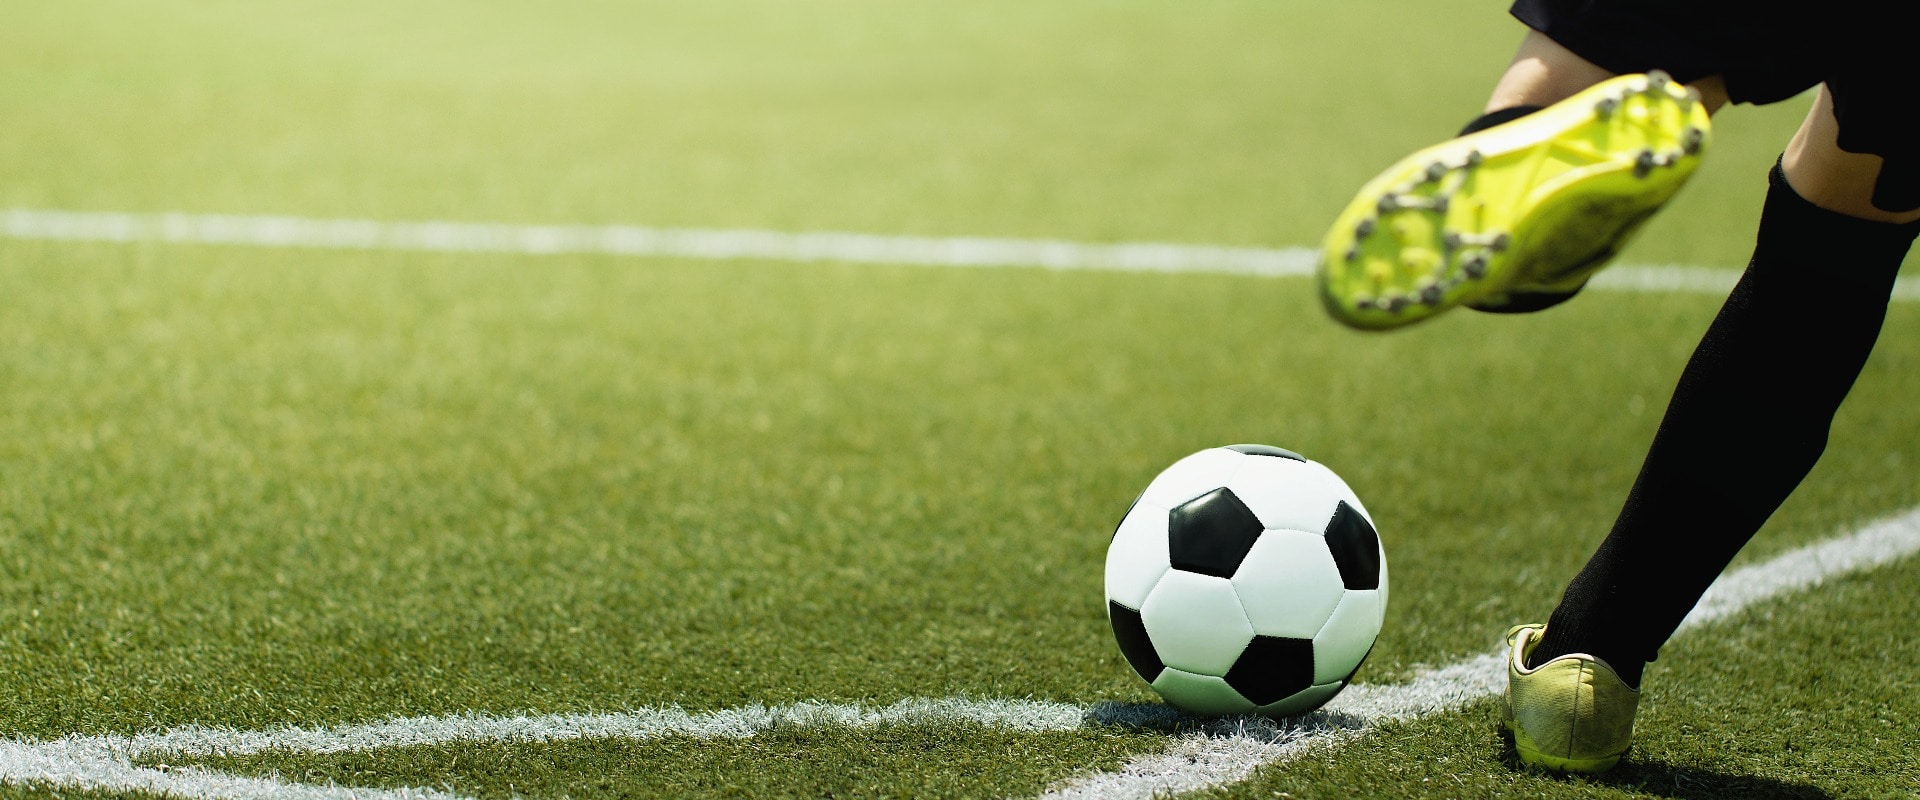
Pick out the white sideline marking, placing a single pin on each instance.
(627, 240)
(748, 244)
(1206, 753)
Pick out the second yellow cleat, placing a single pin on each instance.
(1571, 714)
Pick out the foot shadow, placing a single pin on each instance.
(1693, 783)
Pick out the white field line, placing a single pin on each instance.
(627, 240)
(748, 244)
(1204, 753)
(107, 762)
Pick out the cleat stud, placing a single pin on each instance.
(1353, 253)
(1500, 242)
(1691, 140)
(1475, 266)
(1474, 157)
(1364, 228)
(1441, 203)
(1430, 295)
(1363, 303)
(1658, 80)
(1388, 203)
(1605, 107)
(1436, 171)
(1393, 304)
(1450, 240)
(1643, 164)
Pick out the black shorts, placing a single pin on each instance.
(1765, 53)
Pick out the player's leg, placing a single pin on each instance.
(1527, 203)
(1838, 180)
(1752, 409)
(1544, 72)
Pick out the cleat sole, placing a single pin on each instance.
(1534, 205)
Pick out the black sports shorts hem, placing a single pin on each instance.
(1766, 52)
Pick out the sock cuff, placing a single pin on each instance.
(1845, 242)
(1500, 117)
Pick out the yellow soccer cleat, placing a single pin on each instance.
(1571, 714)
(1532, 206)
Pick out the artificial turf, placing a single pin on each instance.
(266, 487)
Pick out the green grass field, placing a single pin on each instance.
(254, 488)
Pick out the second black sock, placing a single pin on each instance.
(1747, 422)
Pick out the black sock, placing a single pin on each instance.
(1746, 423)
(1501, 117)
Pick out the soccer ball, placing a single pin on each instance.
(1246, 579)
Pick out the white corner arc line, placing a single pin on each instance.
(1207, 754)
(746, 244)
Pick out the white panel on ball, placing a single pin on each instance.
(1200, 694)
(1288, 494)
(1138, 555)
(1191, 477)
(1347, 494)
(1196, 622)
(1288, 584)
(1348, 635)
(1303, 701)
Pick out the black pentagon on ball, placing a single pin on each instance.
(1272, 668)
(1212, 533)
(1131, 632)
(1355, 546)
(1266, 450)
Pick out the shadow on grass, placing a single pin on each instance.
(1677, 782)
(1694, 783)
(1674, 781)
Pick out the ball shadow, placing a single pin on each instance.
(1268, 730)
